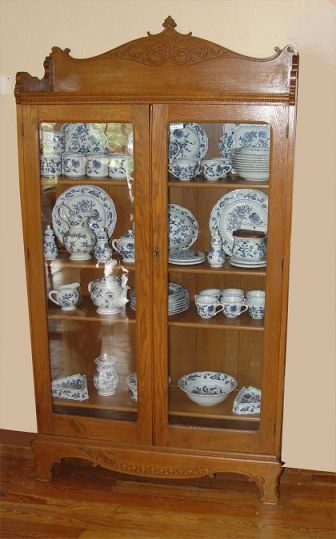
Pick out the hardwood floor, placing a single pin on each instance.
(93, 503)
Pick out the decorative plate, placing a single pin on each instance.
(239, 135)
(248, 401)
(182, 227)
(236, 209)
(85, 138)
(186, 257)
(190, 141)
(80, 198)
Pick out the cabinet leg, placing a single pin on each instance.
(268, 484)
(43, 469)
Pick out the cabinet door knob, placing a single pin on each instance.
(156, 251)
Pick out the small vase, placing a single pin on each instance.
(106, 377)
(102, 250)
(49, 245)
(216, 256)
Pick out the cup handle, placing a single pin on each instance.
(221, 308)
(50, 295)
(114, 245)
(244, 308)
(227, 169)
(198, 168)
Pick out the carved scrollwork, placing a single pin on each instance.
(100, 458)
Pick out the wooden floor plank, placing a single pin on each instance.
(83, 502)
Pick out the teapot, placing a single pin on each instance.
(125, 246)
(78, 237)
(109, 293)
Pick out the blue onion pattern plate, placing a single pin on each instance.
(85, 138)
(82, 198)
(241, 135)
(236, 209)
(190, 141)
(182, 227)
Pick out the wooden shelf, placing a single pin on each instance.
(86, 312)
(206, 268)
(63, 261)
(233, 182)
(85, 180)
(181, 406)
(190, 318)
(120, 402)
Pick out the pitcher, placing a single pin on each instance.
(78, 238)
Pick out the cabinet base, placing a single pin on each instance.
(161, 463)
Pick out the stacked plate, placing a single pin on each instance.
(178, 299)
(183, 232)
(251, 163)
(185, 257)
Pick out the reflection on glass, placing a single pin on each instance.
(88, 232)
(218, 177)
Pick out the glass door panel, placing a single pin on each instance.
(87, 200)
(218, 184)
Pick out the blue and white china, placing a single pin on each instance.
(73, 165)
(185, 257)
(240, 208)
(249, 246)
(214, 169)
(260, 294)
(49, 244)
(131, 382)
(52, 142)
(256, 309)
(51, 165)
(207, 388)
(102, 250)
(184, 169)
(233, 292)
(247, 401)
(227, 140)
(66, 296)
(188, 140)
(233, 306)
(125, 246)
(182, 227)
(207, 306)
(97, 165)
(178, 299)
(85, 138)
(241, 135)
(78, 238)
(83, 198)
(216, 254)
(109, 293)
(106, 378)
(214, 292)
(72, 387)
(120, 166)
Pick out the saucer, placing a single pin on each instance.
(186, 257)
(241, 264)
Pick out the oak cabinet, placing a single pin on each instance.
(152, 101)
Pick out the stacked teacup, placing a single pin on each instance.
(251, 163)
(255, 300)
(52, 147)
(233, 301)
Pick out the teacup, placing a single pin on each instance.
(184, 169)
(51, 165)
(249, 246)
(66, 296)
(229, 292)
(255, 294)
(52, 142)
(207, 306)
(214, 169)
(256, 307)
(214, 292)
(233, 306)
(73, 164)
(97, 165)
(120, 166)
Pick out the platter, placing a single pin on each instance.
(240, 208)
(182, 227)
(85, 138)
(191, 141)
(81, 198)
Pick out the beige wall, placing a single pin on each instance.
(29, 28)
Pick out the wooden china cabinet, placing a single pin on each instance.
(138, 99)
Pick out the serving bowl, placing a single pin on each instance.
(207, 388)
